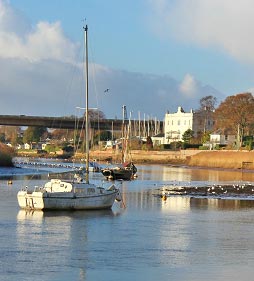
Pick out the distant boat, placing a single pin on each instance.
(71, 195)
(127, 170)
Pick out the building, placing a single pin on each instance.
(222, 138)
(158, 139)
(176, 124)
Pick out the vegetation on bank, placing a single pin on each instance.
(6, 155)
(223, 159)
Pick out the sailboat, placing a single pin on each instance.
(127, 170)
(77, 194)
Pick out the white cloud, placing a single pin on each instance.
(44, 41)
(224, 24)
(47, 82)
(188, 86)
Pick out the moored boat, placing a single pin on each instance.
(64, 195)
(78, 194)
(127, 171)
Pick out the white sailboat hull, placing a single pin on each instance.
(44, 201)
(51, 197)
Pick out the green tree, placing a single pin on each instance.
(205, 137)
(102, 136)
(188, 135)
(34, 134)
(2, 137)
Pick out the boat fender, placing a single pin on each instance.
(118, 197)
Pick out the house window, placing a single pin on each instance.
(178, 123)
(172, 122)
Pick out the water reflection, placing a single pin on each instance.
(187, 174)
(182, 238)
(52, 241)
(185, 204)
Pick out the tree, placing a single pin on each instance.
(9, 134)
(188, 136)
(236, 114)
(149, 143)
(102, 136)
(34, 134)
(208, 103)
(206, 112)
(95, 114)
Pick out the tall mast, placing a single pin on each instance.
(87, 129)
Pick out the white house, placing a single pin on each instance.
(158, 139)
(220, 138)
(176, 124)
(27, 146)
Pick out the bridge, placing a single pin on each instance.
(62, 122)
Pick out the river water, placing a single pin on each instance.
(182, 238)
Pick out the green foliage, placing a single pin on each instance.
(2, 137)
(190, 145)
(34, 134)
(248, 142)
(52, 148)
(205, 137)
(188, 136)
(202, 147)
(102, 136)
(68, 148)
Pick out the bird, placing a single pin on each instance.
(106, 91)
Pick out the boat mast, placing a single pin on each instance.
(87, 131)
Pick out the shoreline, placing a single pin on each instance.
(234, 160)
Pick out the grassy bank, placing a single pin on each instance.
(223, 159)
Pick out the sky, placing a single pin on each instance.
(153, 56)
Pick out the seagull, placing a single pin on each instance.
(106, 91)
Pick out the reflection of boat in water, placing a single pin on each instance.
(39, 215)
(126, 171)
(70, 195)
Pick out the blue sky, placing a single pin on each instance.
(153, 55)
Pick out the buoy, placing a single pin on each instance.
(164, 197)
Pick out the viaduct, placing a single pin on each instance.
(62, 122)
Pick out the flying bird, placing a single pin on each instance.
(106, 91)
